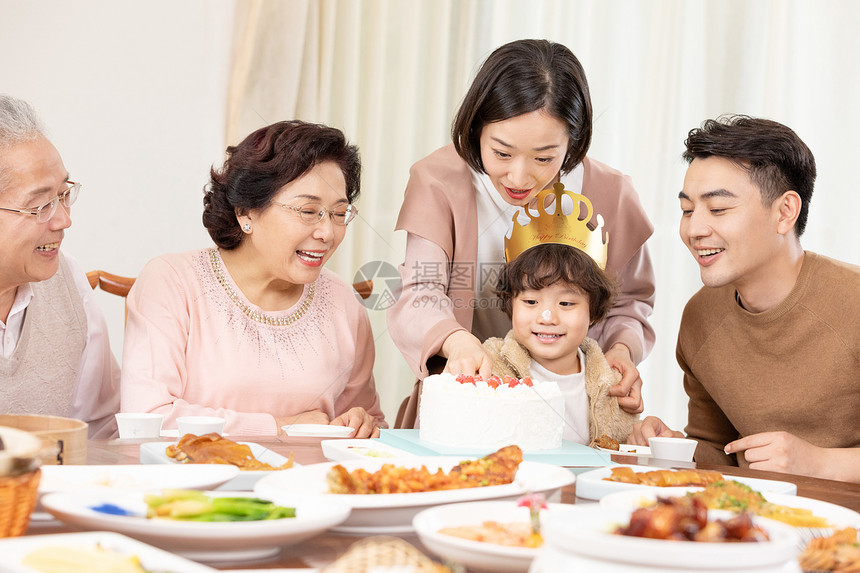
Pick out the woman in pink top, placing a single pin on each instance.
(524, 124)
(255, 330)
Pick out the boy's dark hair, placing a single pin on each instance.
(775, 157)
(545, 265)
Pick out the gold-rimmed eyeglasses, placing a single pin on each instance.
(313, 213)
(44, 212)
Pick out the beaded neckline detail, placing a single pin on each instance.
(250, 312)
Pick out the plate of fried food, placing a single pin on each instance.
(679, 535)
(385, 494)
(205, 526)
(837, 552)
(597, 483)
(607, 444)
(253, 460)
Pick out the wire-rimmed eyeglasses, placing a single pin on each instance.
(313, 213)
(44, 212)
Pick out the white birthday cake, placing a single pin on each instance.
(468, 412)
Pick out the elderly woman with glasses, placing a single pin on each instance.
(255, 330)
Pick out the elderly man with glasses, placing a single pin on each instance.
(55, 358)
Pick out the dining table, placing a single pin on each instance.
(326, 548)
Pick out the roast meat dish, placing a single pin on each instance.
(686, 519)
(497, 468)
(215, 449)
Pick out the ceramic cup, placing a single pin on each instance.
(138, 425)
(676, 449)
(199, 425)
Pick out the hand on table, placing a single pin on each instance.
(629, 390)
(781, 452)
(466, 355)
(651, 427)
(358, 418)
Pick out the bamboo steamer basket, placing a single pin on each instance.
(19, 479)
(65, 439)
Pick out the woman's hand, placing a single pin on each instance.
(629, 390)
(466, 355)
(358, 418)
(309, 417)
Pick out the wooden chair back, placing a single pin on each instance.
(111, 283)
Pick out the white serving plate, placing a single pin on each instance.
(199, 540)
(318, 430)
(838, 516)
(478, 555)
(154, 453)
(13, 551)
(135, 477)
(360, 449)
(592, 485)
(393, 513)
(582, 539)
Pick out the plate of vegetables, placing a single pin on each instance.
(204, 526)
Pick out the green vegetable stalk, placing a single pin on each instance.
(191, 505)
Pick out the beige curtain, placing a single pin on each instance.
(391, 73)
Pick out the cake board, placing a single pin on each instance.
(570, 454)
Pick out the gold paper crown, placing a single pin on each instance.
(559, 228)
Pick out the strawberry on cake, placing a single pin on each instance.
(470, 412)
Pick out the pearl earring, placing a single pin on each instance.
(246, 227)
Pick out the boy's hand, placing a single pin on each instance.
(629, 390)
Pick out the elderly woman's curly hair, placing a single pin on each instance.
(257, 169)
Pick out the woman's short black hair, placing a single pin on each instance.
(265, 161)
(521, 77)
(547, 264)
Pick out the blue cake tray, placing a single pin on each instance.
(570, 454)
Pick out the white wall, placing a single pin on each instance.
(133, 95)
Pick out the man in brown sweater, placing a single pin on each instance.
(769, 347)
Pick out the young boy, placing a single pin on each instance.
(553, 294)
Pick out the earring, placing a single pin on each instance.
(246, 227)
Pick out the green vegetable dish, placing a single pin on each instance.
(191, 505)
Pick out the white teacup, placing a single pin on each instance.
(676, 449)
(138, 425)
(199, 425)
